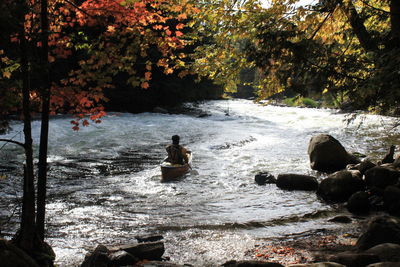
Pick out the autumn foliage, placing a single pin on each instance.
(92, 41)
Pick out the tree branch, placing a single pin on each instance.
(320, 26)
(375, 8)
(12, 141)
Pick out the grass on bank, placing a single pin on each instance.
(301, 102)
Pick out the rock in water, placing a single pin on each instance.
(265, 178)
(339, 186)
(328, 155)
(297, 182)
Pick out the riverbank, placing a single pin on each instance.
(311, 246)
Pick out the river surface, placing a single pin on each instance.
(104, 180)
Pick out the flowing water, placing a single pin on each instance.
(104, 180)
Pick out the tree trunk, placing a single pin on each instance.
(27, 233)
(44, 132)
(358, 26)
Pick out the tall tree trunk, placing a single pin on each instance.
(395, 21)
(358, 26)
(44, 133)
(27, 233)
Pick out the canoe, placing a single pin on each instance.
(172, 171)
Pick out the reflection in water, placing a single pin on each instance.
(104, 181)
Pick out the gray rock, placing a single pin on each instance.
(381, 229)
(122, 258)
(297, 182)
(265, 178)
(391, 195)
(328, 155)
(251, 264)
(386, 251)
(381, 176)
(12, 256)
(351, 259)
(341, 219)
(363, 166)
(339, 186)
(146, 251)
(358, 203)
(396, 162)
(160, 264)
(97, 258)
(149, 238)
(385, 264)
(389, 155)
(319, 264)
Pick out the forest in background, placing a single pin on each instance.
(341, 53)
(82, 57)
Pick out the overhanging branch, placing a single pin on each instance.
(12, 141)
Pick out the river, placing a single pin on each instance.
(104, 180)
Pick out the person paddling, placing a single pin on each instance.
(177, 154)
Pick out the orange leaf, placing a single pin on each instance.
(180, 26)
(182, 16)
(147, 75)
(168, 71)
(145, 85)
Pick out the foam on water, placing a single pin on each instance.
(104, 180)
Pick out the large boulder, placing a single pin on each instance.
(339, 186)
(297, 182)
(358, 203)
(386, 251)
(328, 155)
(381, 176)
(381, 229)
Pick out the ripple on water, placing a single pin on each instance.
(104, 181)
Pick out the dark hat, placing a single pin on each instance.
(175, 139)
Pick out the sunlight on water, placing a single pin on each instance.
(104, 181)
